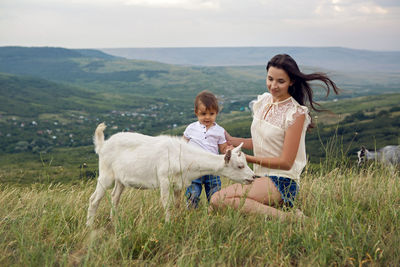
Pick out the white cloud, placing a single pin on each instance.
(366, 24)
(337, 8)
(372, 9)
(183, 4)
(349, 9)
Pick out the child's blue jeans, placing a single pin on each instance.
(211, 183)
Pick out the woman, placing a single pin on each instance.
(280, 121)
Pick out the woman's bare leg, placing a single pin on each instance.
(259, 197)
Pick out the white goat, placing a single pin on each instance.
(388, 155)
(165, 162)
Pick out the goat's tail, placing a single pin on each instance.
(98, 138)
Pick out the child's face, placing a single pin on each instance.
(205, 116)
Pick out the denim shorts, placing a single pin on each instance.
(287, 187)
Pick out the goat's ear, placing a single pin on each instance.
(228, 155)
(237, 149)
(362, 148)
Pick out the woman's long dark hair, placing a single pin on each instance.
(301, 90)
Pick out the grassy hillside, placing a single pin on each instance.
(37, 115)
(353, 220)
(63, 94)
(27, 96)
(61, 165)
(30, 97)
(48, 169)
(97, 71)
(94, 70)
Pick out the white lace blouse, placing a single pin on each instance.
(270, 121)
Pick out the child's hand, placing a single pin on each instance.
(228, 138)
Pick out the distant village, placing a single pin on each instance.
(76, 128)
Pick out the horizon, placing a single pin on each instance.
(194, 47)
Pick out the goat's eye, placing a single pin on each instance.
(241, 166)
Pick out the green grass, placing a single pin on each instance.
(354, 219)
(62, 165)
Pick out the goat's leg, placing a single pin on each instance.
(178, 198)
(101, 187)
(166, 199)
(115, 196)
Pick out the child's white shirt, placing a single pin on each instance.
(198, 135)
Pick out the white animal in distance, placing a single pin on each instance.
(388, 155)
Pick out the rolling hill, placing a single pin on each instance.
(97, 71)
(29, 96)
(94, 70)
(56, 97)
(331, 58)
(37, 111)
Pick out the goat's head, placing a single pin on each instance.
(362, 156)
(236, 167)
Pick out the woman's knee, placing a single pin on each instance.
(216, 199)
(264, 191)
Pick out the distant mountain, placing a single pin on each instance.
(18, 52)
(99, 72)
(333, 58)
(94, 53)
(53, 63)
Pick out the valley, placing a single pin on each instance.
(54, 98)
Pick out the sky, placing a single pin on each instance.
(359, 24)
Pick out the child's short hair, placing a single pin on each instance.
(208, 99)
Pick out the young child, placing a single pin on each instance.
(207, 134)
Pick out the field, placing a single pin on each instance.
(354, 220)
